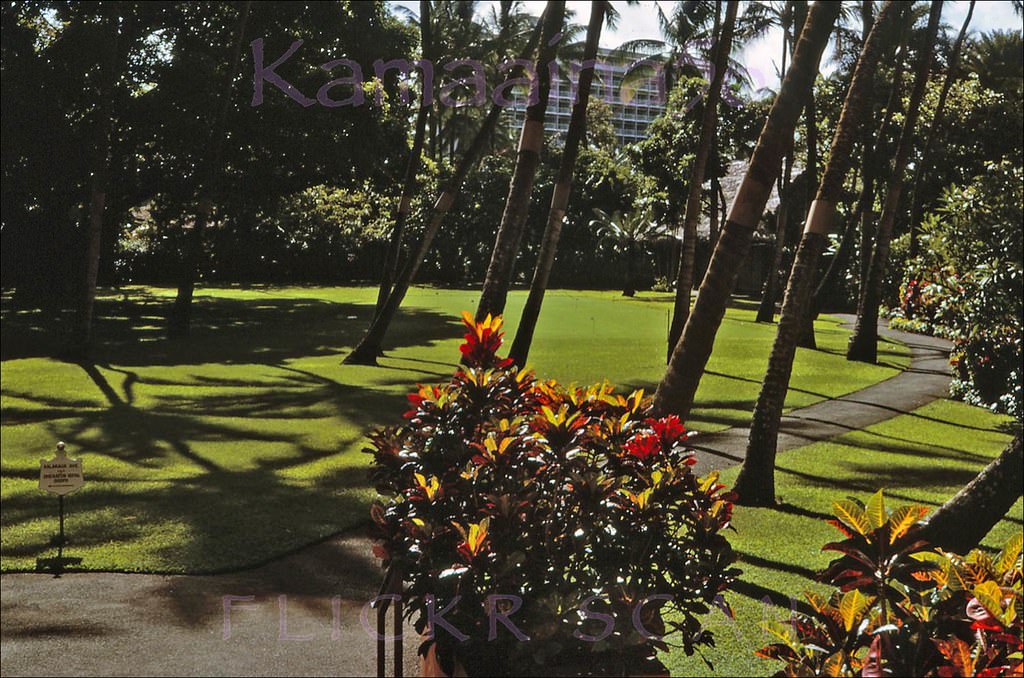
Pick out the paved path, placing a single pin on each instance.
(304, 615)
(926, 379)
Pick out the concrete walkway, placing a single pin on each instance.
(926, 379)
(303, 617)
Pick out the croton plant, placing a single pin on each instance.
(538, 528)
(902, 607)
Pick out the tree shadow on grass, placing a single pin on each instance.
(131, 331)
(232, 507)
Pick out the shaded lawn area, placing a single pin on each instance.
(243, 442)
(922, 457)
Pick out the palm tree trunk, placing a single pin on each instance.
(838, 264)
(676, 391)
(917, 208)
(864, 342)
(806, 335)
(83, 339)
(517, 204)
(713, 209)
(412, 166)
(560, 197)
(961, 523)
(766, 309)
(755, 484)
(691, 218)
(181, 313)
(867, 211)
(369, 347)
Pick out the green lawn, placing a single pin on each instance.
(922, 457)
(243, 442)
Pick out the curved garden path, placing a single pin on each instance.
(926, 379)
(304, 614)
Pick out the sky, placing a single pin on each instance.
(760, 57)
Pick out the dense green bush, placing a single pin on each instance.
(967, 284)
(570, 510)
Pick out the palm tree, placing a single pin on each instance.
(755, 484)
(997, 57)
(181, 312)
(369, 347)
(563, 187)
(412, 166)
(627, 234)
(871, 147)
(677, 388)
(870, 161)
(961, 523)
(933, 130)
(517, 204)
(864, 342)
(787, 15)
(709, 121)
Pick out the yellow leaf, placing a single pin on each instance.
(852, 606)
(903, 519)
(875, 510)
(851, 515)
(1008, 556)
(990, 595)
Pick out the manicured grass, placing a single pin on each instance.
(922, 457)
(243, 441)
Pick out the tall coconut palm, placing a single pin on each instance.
(412, 166)
(628, 233)
(181, 313)
(563, 186)
(369, 347)
(517, 204)
(791, 14)
(895, 99)
(917, 206)
(677, 388)
(755, 484)
(709, 121)
(871, 146)
(864, 342)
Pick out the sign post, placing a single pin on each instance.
(60, 476)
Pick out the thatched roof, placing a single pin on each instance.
(730, 184)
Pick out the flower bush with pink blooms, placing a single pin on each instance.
(903, 608)
(556, 528)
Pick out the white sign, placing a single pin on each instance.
(60, 475)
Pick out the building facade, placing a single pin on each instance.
(634, 105)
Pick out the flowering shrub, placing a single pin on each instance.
(568, 516)
(903, 608)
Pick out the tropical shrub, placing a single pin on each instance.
(902, 608)
(566, 516)
(967, 284)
